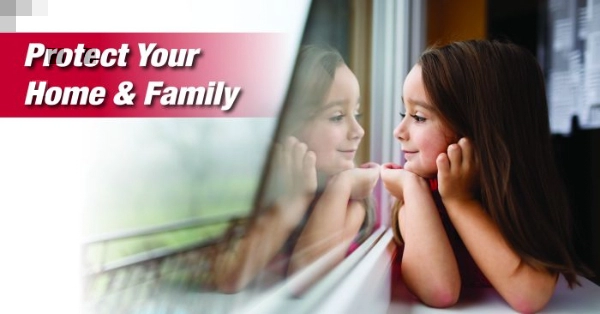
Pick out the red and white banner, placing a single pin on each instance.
(142, 74)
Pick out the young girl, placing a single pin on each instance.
(314, 199)
(480, 199)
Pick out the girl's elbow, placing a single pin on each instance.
(439, 291)
(523, 305)
(533, 296)
(442, 296)
(531, 300)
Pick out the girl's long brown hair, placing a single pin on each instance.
(494, 94)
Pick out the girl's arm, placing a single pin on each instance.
(336, 218)
(429, 267)
(526, 289)
(294, 182)
(236, 267)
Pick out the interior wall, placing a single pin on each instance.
(359, 60)
(451, 20)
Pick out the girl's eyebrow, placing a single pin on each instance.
(334, 103)
(329, 105)
(415, 102)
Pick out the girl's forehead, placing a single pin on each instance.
(418, 104)
(339, 104)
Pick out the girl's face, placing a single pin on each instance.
(334, 133)
(422, 134)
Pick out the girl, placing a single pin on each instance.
(480, 198)
(315, 198)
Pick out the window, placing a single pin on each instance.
(164, 191)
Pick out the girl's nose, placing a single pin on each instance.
(356, 130)
(400, 131)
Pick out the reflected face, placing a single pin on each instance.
(334, 132)
(421, 132)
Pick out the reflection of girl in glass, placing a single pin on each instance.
(317, 200)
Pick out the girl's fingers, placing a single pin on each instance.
(455, 157)
(369, 165)
(310, 161)
(443, 165)
(390, 165)
(467, 152)
(286, 158)
(290, 141)
(309, 171)
(287, 152)
(372, 169)
(299, 152)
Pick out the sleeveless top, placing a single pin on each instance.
(470, 274)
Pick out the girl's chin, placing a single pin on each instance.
(330, 172)
(420, 172)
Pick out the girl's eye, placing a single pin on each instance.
(418, 118)
(358, 116)
(337, 118)
(402, 115)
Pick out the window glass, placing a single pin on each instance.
(173, 203)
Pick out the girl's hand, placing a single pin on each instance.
(362, 180)
(457, 172)
(295, 170)
(395, 179)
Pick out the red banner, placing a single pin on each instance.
(142, 74)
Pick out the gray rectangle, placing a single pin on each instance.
(8, 8)
(23, 7)
(8, 24)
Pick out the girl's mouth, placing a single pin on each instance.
(348, 153)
